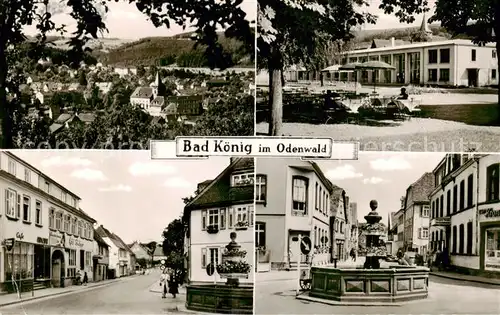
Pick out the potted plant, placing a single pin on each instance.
(241, 225)
(212, 229)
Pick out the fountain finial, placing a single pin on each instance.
(373, 205)
(232, 236)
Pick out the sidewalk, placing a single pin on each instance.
(13, 298)
(157, 288)
(275, 275)
(458, 276)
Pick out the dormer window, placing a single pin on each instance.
(242, 179)
(12, 167)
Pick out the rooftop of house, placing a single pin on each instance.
(87, 117)
(55, 127)
(63, 118)
(219, 191)
(159, 101)
(143, 92)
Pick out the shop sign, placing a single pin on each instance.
(56, 239)
(20, 235)
(491, 266)
(489, 213)
(42, 240)
(9, 243)
(75, 242)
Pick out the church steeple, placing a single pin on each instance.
(159, 88)
(424, 27)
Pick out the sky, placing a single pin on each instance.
(127, 192)
(382, 176)
(124, 21)
(386, 21)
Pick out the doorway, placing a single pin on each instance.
(472, 76)
(42, 262)
(57, 268)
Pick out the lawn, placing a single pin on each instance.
(471, 114)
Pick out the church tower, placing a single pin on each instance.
(159, 88)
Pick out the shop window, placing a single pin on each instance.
(454, 240)
(21, 256)
(469, 238)
(299, 195)
(462, 195)
(492, 182)
(261, 188)
(492, 255)
(461, 239)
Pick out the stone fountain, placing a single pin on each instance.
(231, 297)
(371, 283)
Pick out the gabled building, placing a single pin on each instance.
(100, 258)
(141, 251)
(118, 253)
(222, 206)
(340, 231)
(292, 198)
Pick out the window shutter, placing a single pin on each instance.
(250, 215)
(203, 220)
(222, 213)
(203, 258)
(7, 205)
(420, 233)
(221, 250)
(231, 217)
(18, 214)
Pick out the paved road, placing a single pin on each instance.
(445, 297)
(128, 296)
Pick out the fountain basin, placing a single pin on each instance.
(220, 299)
(392, 284)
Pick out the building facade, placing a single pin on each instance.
(119, 254)
(100, 258)
(292, 197)
(416, 215)
(222, 206)
(467, 225)
(141, 252)
(46, 238)
(340, 224)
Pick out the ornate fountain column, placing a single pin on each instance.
(374, 229)
(233, 265)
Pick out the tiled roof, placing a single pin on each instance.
(63, 118)
(55, 127)
(87, 117)
(122, 243)
(158, 251)
(158, 101)
(220, 192)
(143, 92)
(99, 239)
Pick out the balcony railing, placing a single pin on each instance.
(443, 221)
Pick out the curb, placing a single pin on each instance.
(34, 298)
(463, 279)
(336, 303)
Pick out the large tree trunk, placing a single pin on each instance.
(275, 67)
(4, 106)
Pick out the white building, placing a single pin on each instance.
(468, 224)
(214, 213)
(119, 259)
(152, 98)
(292, 198)
(51, 237)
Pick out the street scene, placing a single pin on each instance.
(397, 76)
(88, 80)
(390, 233)
(111, 232)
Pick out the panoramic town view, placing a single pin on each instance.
(99, 233)
(117, 87)
(417, 77)
(390, 233)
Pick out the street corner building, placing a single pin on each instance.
(220, 241)
(465, 212)
(46, 238)
(293, 197)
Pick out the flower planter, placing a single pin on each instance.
(234, 276)
(240, 228)
(212, 230)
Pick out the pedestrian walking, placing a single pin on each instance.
(85, 278)
(78, 277)
(353, 254)
(163, 283)
(173, 286)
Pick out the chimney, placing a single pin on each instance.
(393, 42)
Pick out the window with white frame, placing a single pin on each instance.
(52, 214)
(424, 233)
(213, 217)
(209, 256)
(12, 167)
(242, 179)
(59, 217)
(26, 209)
(72, 257)
(299, 195)
(260, 188)
(10, 203)
(73, 225)
(27, 175)
(250, 215)
(88, 259)
(241, 215)
(18, 206)
(80, 228)
(38, 212)
(67, 223)
(425, 211)
(222, 218)
(260, 234)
